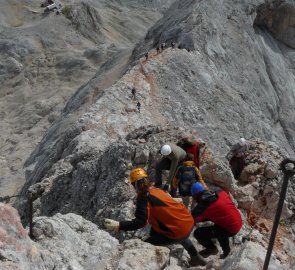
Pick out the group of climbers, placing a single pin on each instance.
(170, 219)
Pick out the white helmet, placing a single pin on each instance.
(242, 141)
(166, 150)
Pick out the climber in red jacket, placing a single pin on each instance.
(215, 206)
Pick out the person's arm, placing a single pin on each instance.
(141, 215)
(201, 180)
(173, 167)
(198, 211)
(174, 182)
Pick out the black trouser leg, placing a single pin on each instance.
(189, 247)
(204, 236)
(158, 239)
(224, 243)
(237, 165)
(163, 164)
(223, 238)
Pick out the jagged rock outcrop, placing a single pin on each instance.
(250, 256)
(71, 241)
(260, 180)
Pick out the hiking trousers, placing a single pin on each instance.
(158, 239)
(204, 235)
(237, 165)
(163, 164)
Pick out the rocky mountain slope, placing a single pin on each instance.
(231, 75)
(45, 58)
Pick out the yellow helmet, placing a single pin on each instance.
(189, 163)
(136, 174)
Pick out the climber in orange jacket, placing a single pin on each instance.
(170, 220)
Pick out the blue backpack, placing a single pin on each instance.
(187, 177)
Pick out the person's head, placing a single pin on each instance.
(188, 139)
(139, 180)
(242, 141)
(189, 157)
(165, 150)
(197, 190)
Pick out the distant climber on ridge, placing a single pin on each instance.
(215, 206)
(133, 92)
(170, 221)
(138, 105)
(172, 156)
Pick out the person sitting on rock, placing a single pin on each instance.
(172, 157)
(170, 221)
(186, 175)
(236, 157)
(215, 206)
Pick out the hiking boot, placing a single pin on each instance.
(208, 251)
(197, 260)
(225, 254)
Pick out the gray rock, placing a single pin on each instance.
(250, 256)
(139, 255)
(278, 17)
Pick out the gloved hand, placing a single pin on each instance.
(111, 225)
(166, 187)
(173, 192)
(178, 200)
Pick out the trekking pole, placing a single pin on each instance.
(30, 208)
(288, 172)
(30, 205)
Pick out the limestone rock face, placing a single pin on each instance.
(251, 256)
(45, 58)
(64, 241)
(279, 18)
(260, 180)
(71, 241)
(139, 255)
(15, 244)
